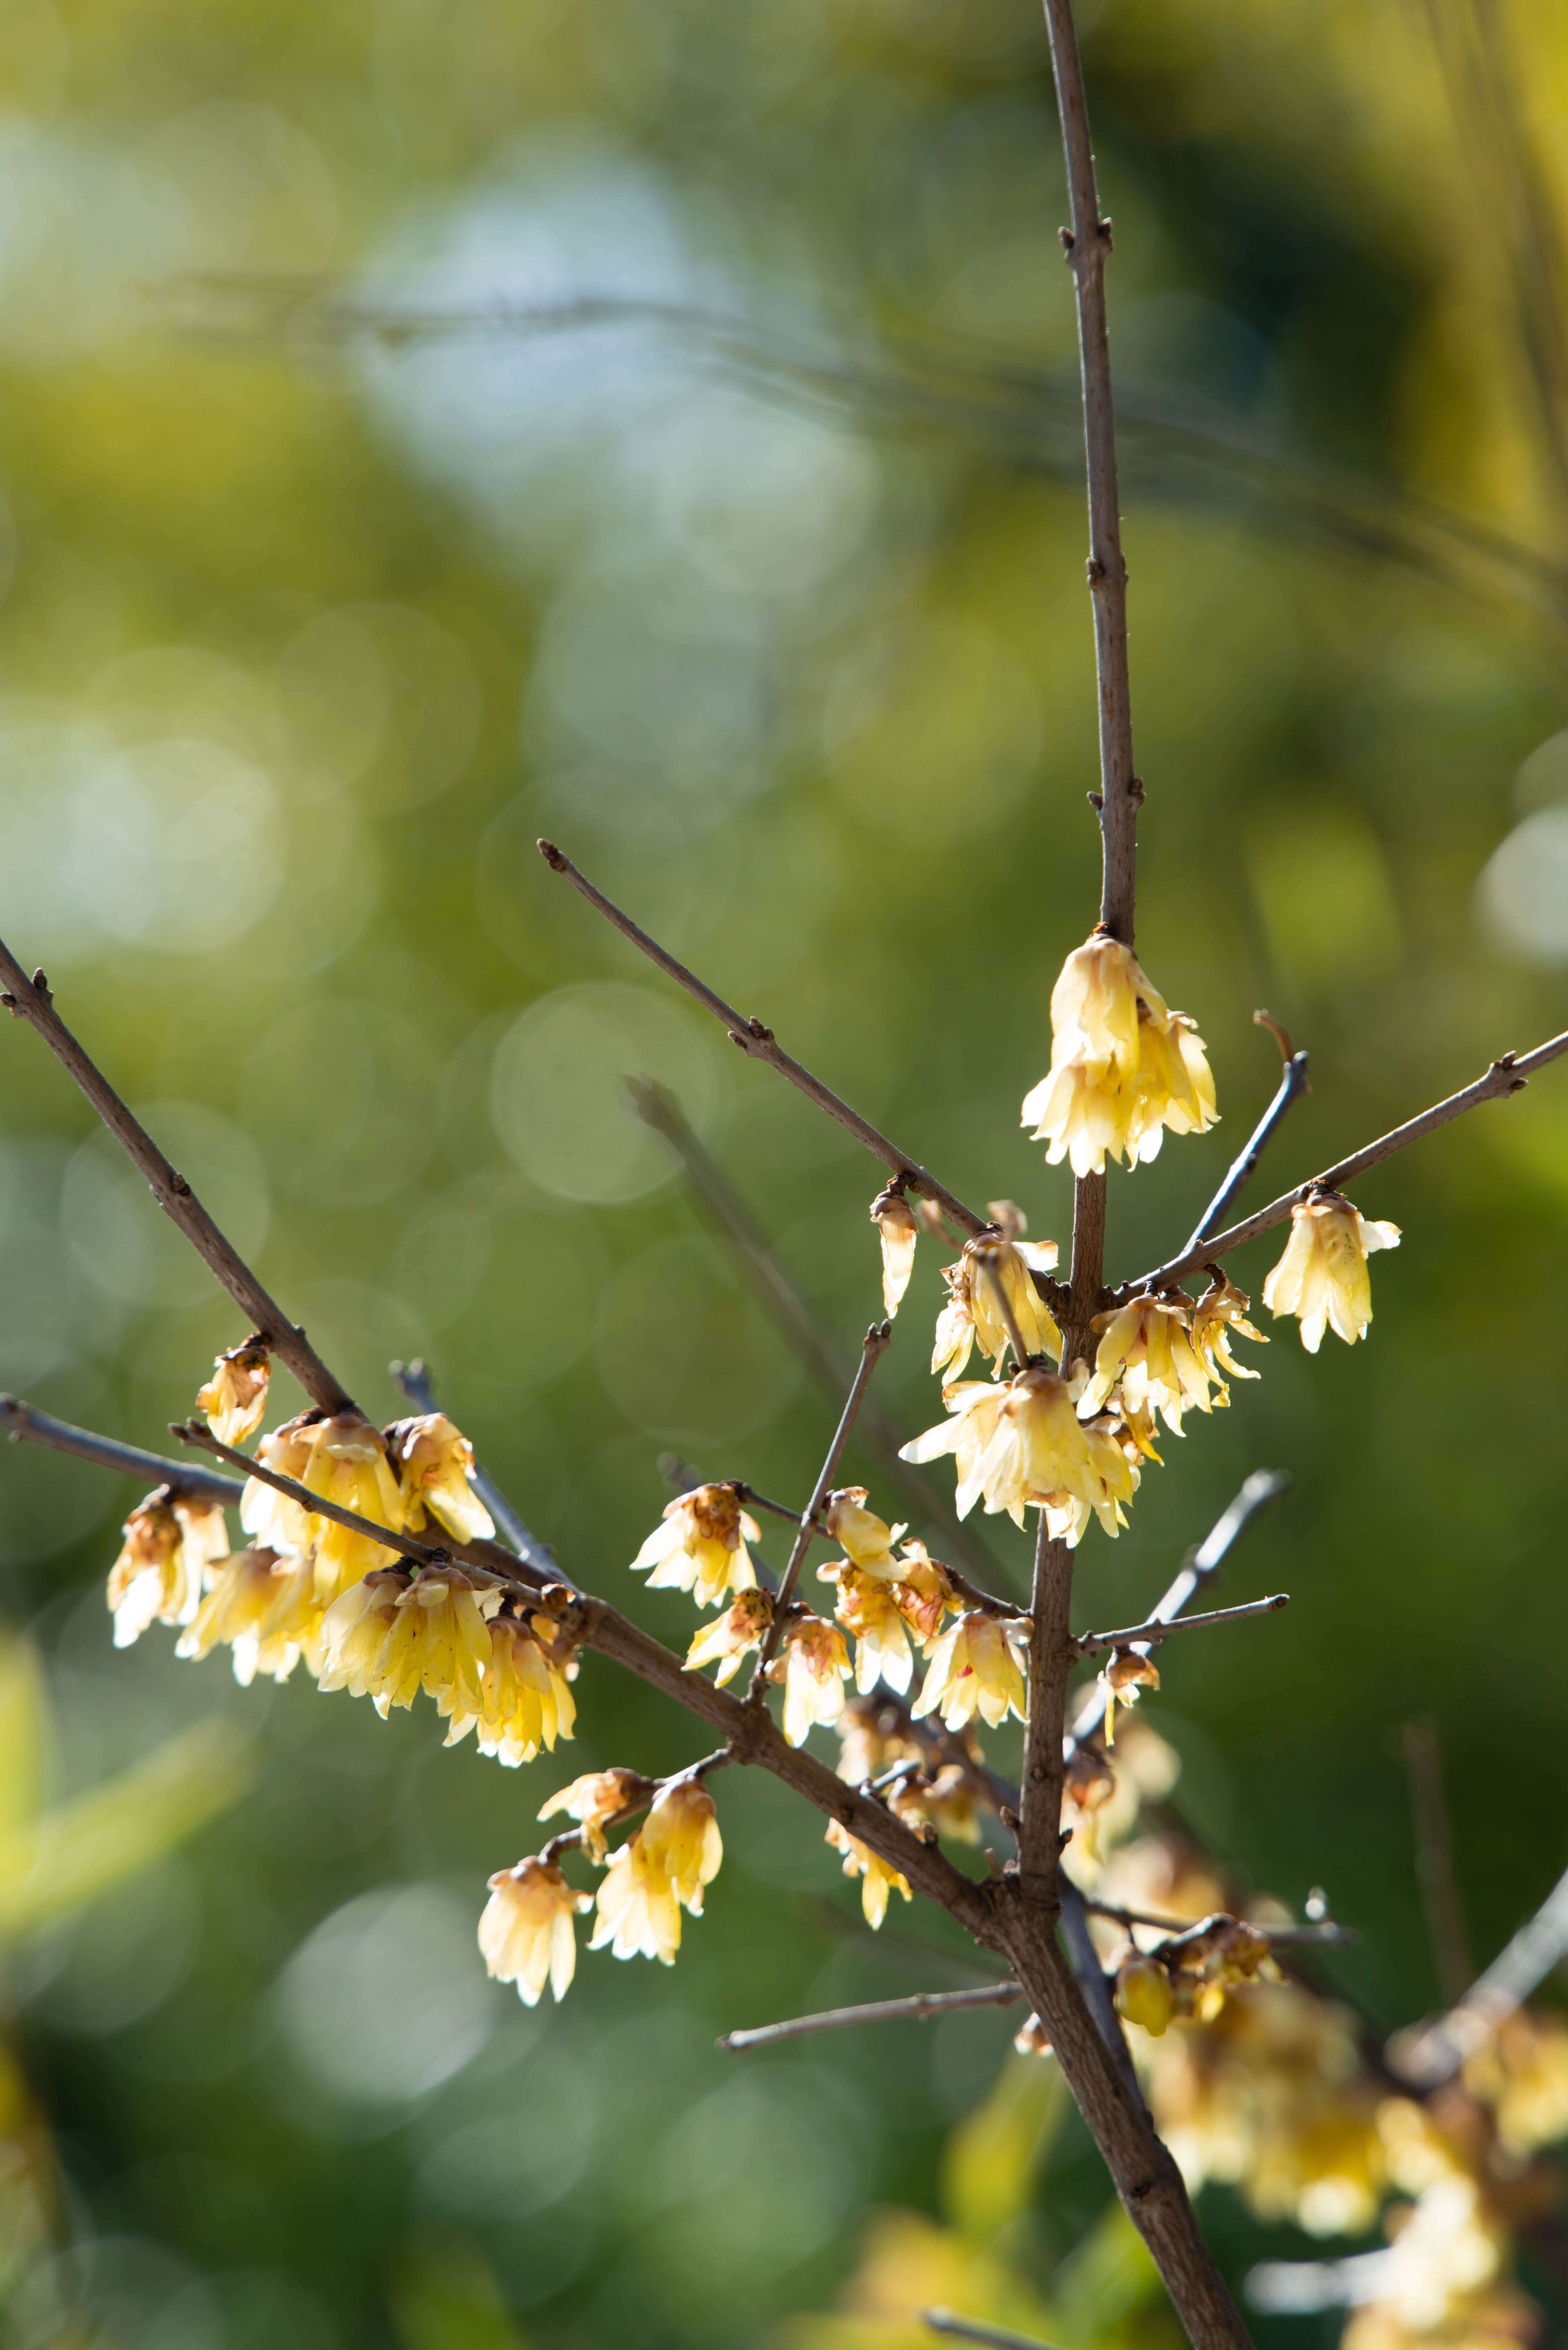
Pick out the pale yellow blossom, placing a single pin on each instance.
(234, 1397)
(269, 1517)
(815, 1666)
(972, 1311)
(526, 1700)
(656, 1873)
(390, 1636)
(699, 1546)
(878, 1876)
(596, 1801)
(680, 1836)
(924, 1592)
(1222, 1309)
(1521, 2073)
(1146, 1347)
(728, 1638)
(868, 1608)
(1125, 1675)
(526, 1933)
(977, 1667)
(349, 1465)
(241, 1610)
(1024, 1446)
(1322, 1276)
(866, 1539)
(171, 1545)
(1124, 1068)
(435, 1472)
(1144, 1994)
(895, 1222)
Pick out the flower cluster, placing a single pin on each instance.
(1122, 1068)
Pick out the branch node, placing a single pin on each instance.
(552, 855)
(1097, 801)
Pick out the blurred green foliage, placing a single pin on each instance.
(313, 624)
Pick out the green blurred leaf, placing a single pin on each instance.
(23, 1734)
(450, 2299)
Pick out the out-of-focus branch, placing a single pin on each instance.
(1434, 1862)
(1293, 1083)
(920, 2009)
(1264, 1485)
(1508, 1075)
(29, 999)
(24, 1425)
(1144, 1636)
(873, 1345)
(415, 1381)
(970, 2329)
(1283, 1938)
(759, 1044)
(797, 1320)
(1431, 2054)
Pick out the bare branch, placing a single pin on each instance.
(1157, 1628)
(920, 2009)
(872, 1348)
(422, 1554)
(29, 999)
(1189, 1930)
(26, 1426)
(759, 1044)
(1508, 1075)
(415, 1381)
(1434, 1862)
(1264, 1485)
(1433, 2053)
(1292, 1085)
(970, 2329)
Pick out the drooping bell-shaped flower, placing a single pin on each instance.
(1146, 1345)
(1219, 1312)
(234, 1397)
(815, 1666)
(878, 1876)
(699, 1546)
(728, 1638)
(1124, 1068)
(895, 1222)
(868, 1608)
(658, 1872)
(866, 1539)
(973, 1311)
(434, 1465)
(239, 1611)
(1321, 1278)
(596, 1801)
(172, 1545)
(526, 1931)
(977, 1667)
(525, 1698)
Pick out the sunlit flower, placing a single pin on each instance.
(239, 1610)
(349, 1465)
(1146, 1346)
(526, 1933)
(1322, 1276)
(268, 1516)
(815, 1666)
(866, 1539)
(1144, 1993)
(742, 1627)
(923, 1593)
(1126, 1675)
(1122, 1068)
(878, 1876)
(661, 1868)
(699, 1546)
(390, 1636)
(435, 1472)
(1038, 1453)
(973, 1311)
(895, 1220)
(1222, 1309)
(526, 1700)
(171, 1543)
(870, 1608)
(234, 1397)
(596, 1801)
(977, 1667)
(295, 1618)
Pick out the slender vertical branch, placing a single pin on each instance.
(1434, 1862)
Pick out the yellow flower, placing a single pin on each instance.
(815, 1665)
(977, 1667)
(742, 1627)
(866, 1539)
(267, 1516)
(700, 1545)
(924, 1592)
(1145, 1345)
(1122, 1068)
(895, 1220)
(295, 1616)
(1521, 2072)
(1038, 1454)
(240, 1609)
(972, 1311)
(234, 1397)
(1144, 1994)
(170, 1546)
(665, 1866)
(878, 1876)
(526, 1932)
(435, 1471)
(596, 1801)
(526, 1700)
(1125, 1675)
(870, 1608)
(349, 1465)
(1322, 1275)
(390, 1636)
(1222, 1309)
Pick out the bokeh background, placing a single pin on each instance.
(651, 423)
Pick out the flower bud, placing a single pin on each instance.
(1144, 1994)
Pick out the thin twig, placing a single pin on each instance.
(1182, 1929)
(1292, 1085)
(422, 1554)
(872, 1346)
(29, 999)
(1159, 1629)
(1434, 1862)
(1264, 1485)
(26, 1426)
(759, 1044)
(415, 1381)
(1508, 1075)
(970, 2329)
(800, 1324)
(921, 2009)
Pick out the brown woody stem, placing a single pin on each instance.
(918, 2008)
(1091, 1644)
(24, 1425)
